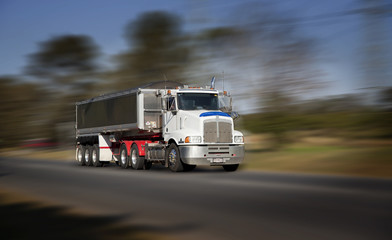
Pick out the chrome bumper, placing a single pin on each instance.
(212, 155)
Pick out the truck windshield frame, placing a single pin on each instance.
(198, 101)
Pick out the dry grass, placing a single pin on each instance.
(47, 154)
(324, 155)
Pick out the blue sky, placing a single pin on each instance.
(24, 23)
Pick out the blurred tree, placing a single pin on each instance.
(21, 112)
(67, 62)
(376, 43)
(157, 49)
(287, 63)
(66, 67)
(283, 60)
(222, 41)
(217, 50)
(386, 98)
(338, 103)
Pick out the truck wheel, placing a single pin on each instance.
(95, 156)
(124, 159)
(147, 165)
(137, 162)
(230, 168)
(80, 155)
(188, 168)
(87, 155)
(173, 158)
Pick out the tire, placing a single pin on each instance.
(173, 159)
(80, 155)
(95, 156)
(137, 162)
(230, 168)
(147, 165)
(124, 158)
(87, 155)
(188, 168)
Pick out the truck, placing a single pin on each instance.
(166, 123)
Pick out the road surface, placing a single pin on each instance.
(210, 203)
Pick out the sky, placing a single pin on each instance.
(25, 23)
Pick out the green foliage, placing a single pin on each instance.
(373, 124)
(157, 50)
(153, 30)
(67, 52)
(64, 61)
(219, 41)
(386, 97)
(20, 111)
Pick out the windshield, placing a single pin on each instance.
(197, 101)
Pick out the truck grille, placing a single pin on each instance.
(217, 132)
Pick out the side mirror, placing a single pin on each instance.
(234, 115)
(164, 104)
(171, 105)
(225, 103)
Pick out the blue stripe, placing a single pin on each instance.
(209, 114)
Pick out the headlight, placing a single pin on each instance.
(193, 139)
(238, 139)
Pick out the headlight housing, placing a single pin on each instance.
(238, 139)
(193, 139)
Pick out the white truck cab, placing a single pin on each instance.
(205, 135)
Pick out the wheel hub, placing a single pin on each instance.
(80, 155)
(134, 158)
(123, 157)
(87, 155)
(172, 157)
(94, 156)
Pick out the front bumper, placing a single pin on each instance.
(212, 155)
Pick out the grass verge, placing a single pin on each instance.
(352, 159)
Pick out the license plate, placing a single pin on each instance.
(216, 160)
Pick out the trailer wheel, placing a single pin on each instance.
(230, 168)
(87, 155)
(137, 162)
(173, 158)
(80, 155)
(95, 156)
(124, 159)
(147, 165)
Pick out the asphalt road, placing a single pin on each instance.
(210, 203)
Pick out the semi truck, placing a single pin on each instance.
(166, 123)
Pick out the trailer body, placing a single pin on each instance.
(118, 112)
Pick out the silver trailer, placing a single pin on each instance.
(127, 111)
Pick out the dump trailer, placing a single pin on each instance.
(165, 123)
